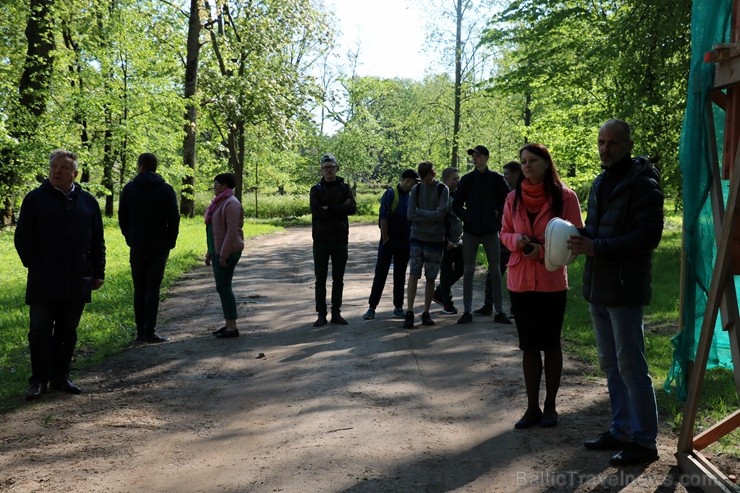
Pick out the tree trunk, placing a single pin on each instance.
(187, 194)
(458, 81)
(33, 92)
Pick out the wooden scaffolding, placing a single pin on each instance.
(722, 297)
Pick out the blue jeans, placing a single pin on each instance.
(621, 345)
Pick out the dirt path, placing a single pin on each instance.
(369, 407)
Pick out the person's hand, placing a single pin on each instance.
(450, 245)
(534, 254)
(96, 283)
(222, 261)
(581, 244)
(521, 242)
(208, 259)
(348, 202)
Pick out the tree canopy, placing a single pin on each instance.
(258, 88)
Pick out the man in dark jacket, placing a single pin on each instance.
(150, 221)
(479, 203)
(59, 238)
(331, 204)
(395, 229)
(624, 224)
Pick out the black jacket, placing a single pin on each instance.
(60, 240)
(148, 215)
(479, 201)
(329, 212)
(626, 226)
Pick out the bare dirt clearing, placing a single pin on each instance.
(368, 407)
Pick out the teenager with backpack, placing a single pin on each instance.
(394, 244)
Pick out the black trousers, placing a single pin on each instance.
(52, 338)
(337, 251)
(396, 251)
(147, 273)
(450, 271)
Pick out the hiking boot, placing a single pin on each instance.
(449, 309)
(321, 321)
(369, 314)
(408, 322)
(399, 313)
(337, 319)
(426, 319)
(501, 318)
(465, 319)
(484, 310)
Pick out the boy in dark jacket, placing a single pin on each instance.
(479, 202)
(331, 204)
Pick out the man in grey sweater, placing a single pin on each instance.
(427, 209)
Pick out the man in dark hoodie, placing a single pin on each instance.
(331, 204)
(150, 221)
(624, 224)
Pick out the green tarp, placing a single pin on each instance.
(710, 25)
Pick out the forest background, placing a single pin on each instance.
(259, 88)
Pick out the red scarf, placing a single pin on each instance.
(214, 203)
(533, 196)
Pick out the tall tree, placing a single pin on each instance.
(33, 95)
(187, 194)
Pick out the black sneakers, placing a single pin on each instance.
(501, 318)
(634, 453)
(408, 322)
(484, 310)
(426, 319)
(465, 319)
(321, 320)
(337, 319)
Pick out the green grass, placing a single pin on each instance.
(107, 324)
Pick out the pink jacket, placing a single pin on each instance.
(525, 274)
(227, 223)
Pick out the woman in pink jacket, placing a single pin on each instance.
(537, 295)
(225, 239)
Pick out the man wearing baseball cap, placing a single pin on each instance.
(479, 202)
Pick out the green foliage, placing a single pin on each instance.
(107, 324)
(577, 65)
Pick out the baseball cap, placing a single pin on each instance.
(409, 173)
(479, 149)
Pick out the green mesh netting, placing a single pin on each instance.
(710, 25)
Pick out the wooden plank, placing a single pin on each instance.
(702, 474)
(717, 431)
(727, 73)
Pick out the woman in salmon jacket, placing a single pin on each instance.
(538, 296)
